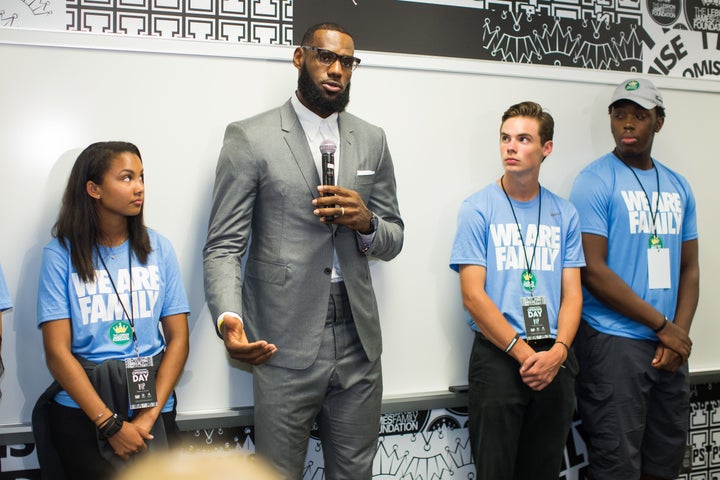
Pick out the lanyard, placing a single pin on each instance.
(653, 215)
(130, 317)
(530, 263)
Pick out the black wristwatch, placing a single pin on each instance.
(373, 225)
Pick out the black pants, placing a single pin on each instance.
(516, 433)
(74, 438)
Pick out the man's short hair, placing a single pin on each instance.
(546, 124)
(310, 32)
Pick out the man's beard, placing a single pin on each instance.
(314, 95)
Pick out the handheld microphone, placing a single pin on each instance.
(327, 149)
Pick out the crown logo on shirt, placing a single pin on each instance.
(120, 328)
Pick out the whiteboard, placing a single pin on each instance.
(174, 100)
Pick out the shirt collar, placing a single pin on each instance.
(310, 121)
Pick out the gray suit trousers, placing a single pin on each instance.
(342, 390)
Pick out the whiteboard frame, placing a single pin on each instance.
(149, 44)
(379, 65)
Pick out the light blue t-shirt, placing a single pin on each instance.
(100, 327)
(487, 235)
(5, 302)
(612, 204)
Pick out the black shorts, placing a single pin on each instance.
(635, 416)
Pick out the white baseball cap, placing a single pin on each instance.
(638, 90)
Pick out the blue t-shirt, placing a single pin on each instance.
(100, 327)
(5, 302)
(487, 235)
(612, 204)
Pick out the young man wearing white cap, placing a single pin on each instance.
(640, 293)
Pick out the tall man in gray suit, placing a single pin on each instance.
(303, 312)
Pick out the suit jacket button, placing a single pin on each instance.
(328, 271)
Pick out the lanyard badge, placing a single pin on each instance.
(140, 371)
(537, 323)
(658, 257)
(141, 382)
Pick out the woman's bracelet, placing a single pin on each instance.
(104, 422)
(99, 416)
(563, 344)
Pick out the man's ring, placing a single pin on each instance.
(342, 211)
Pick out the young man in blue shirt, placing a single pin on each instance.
(518, 251)
(640, 293)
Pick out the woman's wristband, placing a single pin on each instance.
(660, 328)
(512, 343)
(563, 344)
(111, 426)
(103, 423)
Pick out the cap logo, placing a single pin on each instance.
(632, 85)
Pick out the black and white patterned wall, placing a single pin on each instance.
(679, 38)
(265, 21)
(434, 444)
(429, 445)
(256, 21)
(666, 37)
(705, 432)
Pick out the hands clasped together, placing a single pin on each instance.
(540, 368)
(674, 348)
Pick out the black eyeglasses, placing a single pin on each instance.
(327, 58)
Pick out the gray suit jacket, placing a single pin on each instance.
(265, 181)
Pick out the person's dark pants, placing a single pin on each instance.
(75, 439)
(517, 433)
(635, 416)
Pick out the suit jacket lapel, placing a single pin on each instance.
(348, 154)
(296, 140)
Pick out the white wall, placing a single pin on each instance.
(441, 118)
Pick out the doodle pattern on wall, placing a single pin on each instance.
(679, 38)
(433, 445)
(591, 35)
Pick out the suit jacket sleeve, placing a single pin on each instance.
(383, 202)
(234, 193)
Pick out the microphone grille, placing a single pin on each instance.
(328, 146)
